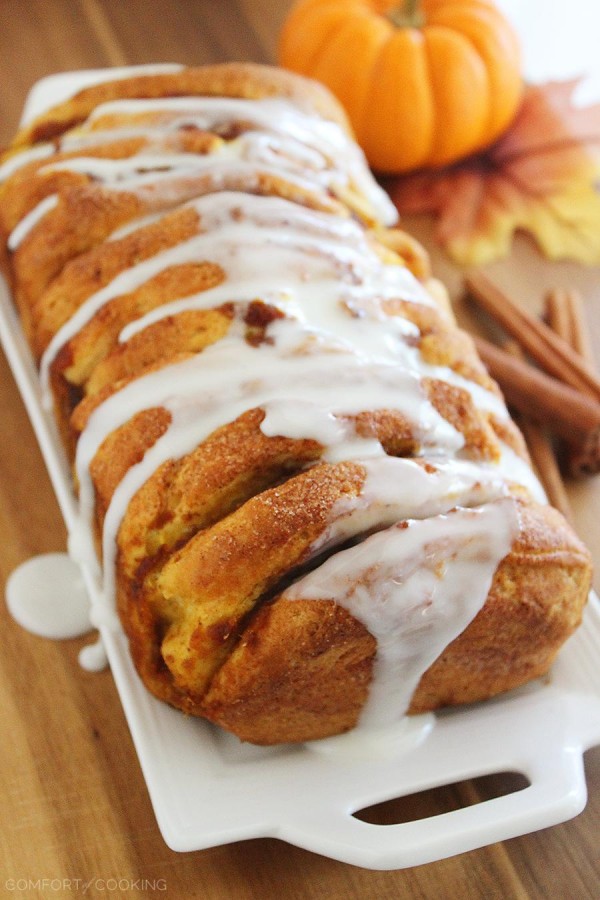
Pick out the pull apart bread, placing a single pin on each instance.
(311, 507)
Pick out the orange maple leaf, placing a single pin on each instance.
(541, 177)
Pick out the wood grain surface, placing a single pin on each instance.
(76, 818)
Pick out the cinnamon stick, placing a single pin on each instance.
(570, 413)
(542, 454)
(550, 351)
(565, 315)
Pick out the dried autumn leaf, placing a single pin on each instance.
(541, 177)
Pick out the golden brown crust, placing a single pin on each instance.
(299, 665)
(267, 695)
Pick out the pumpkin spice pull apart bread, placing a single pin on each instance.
(310, 506)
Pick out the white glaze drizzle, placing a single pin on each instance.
(349, 274)
(304, 246)
(28, 222)
(172, 178)
(23, 157)
(301, 380)
(318, 144)
(334, 355)
(56, 89)
(308, 152)
(397, 488)
(278, 156)
(238, 229)
(415, 587)
(185, 388)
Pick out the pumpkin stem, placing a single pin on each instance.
(407, 14)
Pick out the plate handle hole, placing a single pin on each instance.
(444, 799)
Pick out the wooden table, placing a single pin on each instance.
(75, 805)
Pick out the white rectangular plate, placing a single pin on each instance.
(208, 789)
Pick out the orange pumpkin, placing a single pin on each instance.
(424, 83)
